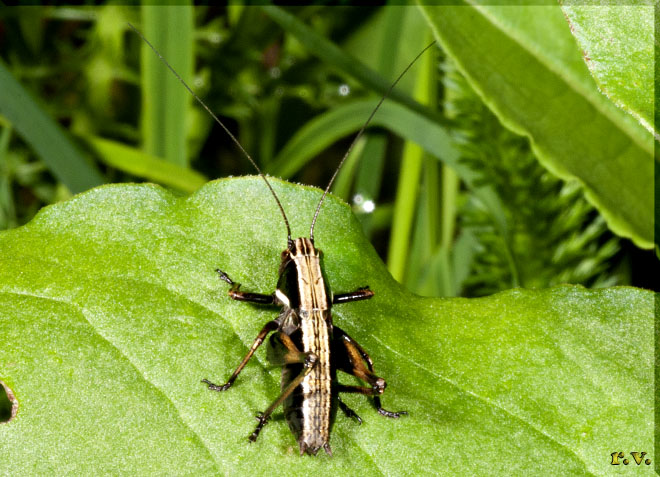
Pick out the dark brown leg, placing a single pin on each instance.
(291, 354)
(270, 326)
(236, 294)
(350, 357)
(360, 294)
(350, 413)
(342, 388)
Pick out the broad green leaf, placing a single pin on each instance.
(111, 312)
(525, 64)
(617, 45)
(45, 136)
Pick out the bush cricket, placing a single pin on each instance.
(304, 341)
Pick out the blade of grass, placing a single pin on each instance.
(381, 217)
(7, 210)
(462, 257)
(418, 275)
(407, 192)
(369, 176)
(342, 186)
(325, 129)
(164, 100)
(268, 128)
(404, 210)
(429, 228)
(370, 171)
(401, 36)
(147, 166)
(45, 136)
(450, 185)
(446, 274)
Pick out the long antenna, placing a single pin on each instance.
(355, 140)
(233, 138)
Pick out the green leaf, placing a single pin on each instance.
(45, 136)
(525, 65)
(111, 312)
(617, 45)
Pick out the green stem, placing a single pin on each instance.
(408, 186)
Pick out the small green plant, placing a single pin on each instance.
(554, 235)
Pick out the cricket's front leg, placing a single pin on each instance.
(236, 294)
(362, 293)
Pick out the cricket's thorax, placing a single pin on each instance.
(316, 333)
(310, 278)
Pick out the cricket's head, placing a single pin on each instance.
(300, 247)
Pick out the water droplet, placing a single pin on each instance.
(363, 204)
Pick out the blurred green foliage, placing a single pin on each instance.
(270, 74)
